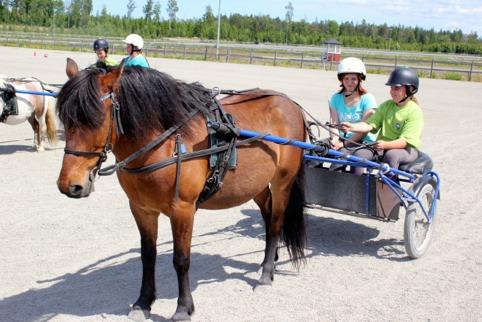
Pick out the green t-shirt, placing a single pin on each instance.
(111, 62)
(396, 122)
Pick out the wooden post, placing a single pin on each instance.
(274, 58)
(228, 53)
(184, 53)
(251, 56)
(431, 67)
(302, 57)
(206, 53)
(471, 70)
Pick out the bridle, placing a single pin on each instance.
(102, 155)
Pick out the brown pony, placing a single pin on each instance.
(38, 110)
(149, 105)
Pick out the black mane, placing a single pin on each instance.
(149, 101)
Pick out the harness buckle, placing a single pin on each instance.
(215, 91)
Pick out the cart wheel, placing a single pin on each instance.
(418, 231)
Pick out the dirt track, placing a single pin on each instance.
(78, 260)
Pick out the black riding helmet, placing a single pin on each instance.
(403, 76)
(101, 44)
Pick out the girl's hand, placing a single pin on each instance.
(336, 143)
(380, 145)
(345, 127)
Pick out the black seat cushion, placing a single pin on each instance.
(421, 165)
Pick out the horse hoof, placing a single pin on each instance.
(264, 280)
(181, 316)
(39, 148)
(137, 314)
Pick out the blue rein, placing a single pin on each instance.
(36, 93)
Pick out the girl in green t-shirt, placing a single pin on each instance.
(101, 49)
(399, 121)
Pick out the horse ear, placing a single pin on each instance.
(71, 69)
(118, 71)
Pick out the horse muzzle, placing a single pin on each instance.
(76, 189)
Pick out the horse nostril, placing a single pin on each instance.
(75, 190)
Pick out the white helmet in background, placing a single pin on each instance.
(134, 40)
(352, 65)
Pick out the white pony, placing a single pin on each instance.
(38, 110)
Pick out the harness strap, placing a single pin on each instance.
(102, 155)
(189, 156)
(10, 99)
(327, 127)
(122, 164)
(178, 165)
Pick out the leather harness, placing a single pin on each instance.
(223, 133)
(10, 100)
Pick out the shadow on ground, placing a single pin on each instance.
(334, 237)
(110, 285)
(11, 149)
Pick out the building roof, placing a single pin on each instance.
(332, 41)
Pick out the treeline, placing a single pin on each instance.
(78, 18)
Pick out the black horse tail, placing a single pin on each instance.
(294, 229)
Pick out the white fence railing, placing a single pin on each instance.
(431, 64)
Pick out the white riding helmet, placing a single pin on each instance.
(352, 65)
(134, 40)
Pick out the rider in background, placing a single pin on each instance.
(101, 48)
(135, 43)
(399, 120)
(352, 104)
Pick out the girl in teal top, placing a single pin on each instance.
(353, 111)
(138, 60)
(399, 121)
(351, 104)
(135, 43)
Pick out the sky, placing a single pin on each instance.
(438, 14)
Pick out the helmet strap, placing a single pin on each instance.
(403, 100)
(355, 90)
(409, 94)
(349, 94)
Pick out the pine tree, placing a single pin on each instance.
(148, 10)
(172, 10)
(131, 6)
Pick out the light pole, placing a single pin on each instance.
(53, 20)
(219, 29)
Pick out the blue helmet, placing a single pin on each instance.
(404, 76)
(101, 44)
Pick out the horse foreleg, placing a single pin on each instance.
(147, 223)
(182, 225)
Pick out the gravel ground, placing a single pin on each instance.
(79, 260)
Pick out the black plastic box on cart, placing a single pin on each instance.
(345, 191)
